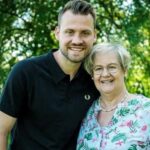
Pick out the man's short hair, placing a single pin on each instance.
(78, 7)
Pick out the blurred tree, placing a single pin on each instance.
(26, 30)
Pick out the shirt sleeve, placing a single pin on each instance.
(14, 94)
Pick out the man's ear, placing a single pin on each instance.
(57, 31)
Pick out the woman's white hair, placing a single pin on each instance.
(123, 55)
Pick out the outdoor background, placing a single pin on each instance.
(26, 30)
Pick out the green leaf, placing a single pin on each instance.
(120, 136)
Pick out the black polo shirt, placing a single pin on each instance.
(49, 106)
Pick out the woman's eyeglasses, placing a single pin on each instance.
(98, 70)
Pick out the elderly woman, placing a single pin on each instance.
(118, 120)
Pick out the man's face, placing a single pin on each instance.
(76, 35)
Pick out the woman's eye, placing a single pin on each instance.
(98, 68)
(112, 67)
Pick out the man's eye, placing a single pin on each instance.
(85, 33)
(69, 32)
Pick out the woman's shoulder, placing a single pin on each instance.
(91, 113)
(94, 108)
(140, 100)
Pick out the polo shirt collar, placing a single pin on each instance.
(56, 71)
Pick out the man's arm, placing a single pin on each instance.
(6, 124)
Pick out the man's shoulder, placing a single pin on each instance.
(31, 62)
(36, 59)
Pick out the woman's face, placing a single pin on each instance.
(108, 74)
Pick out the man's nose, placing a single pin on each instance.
(76, 39)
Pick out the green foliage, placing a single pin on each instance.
(26, 30)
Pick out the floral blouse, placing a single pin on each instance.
(129, 128)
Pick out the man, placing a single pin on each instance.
(46, 97)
